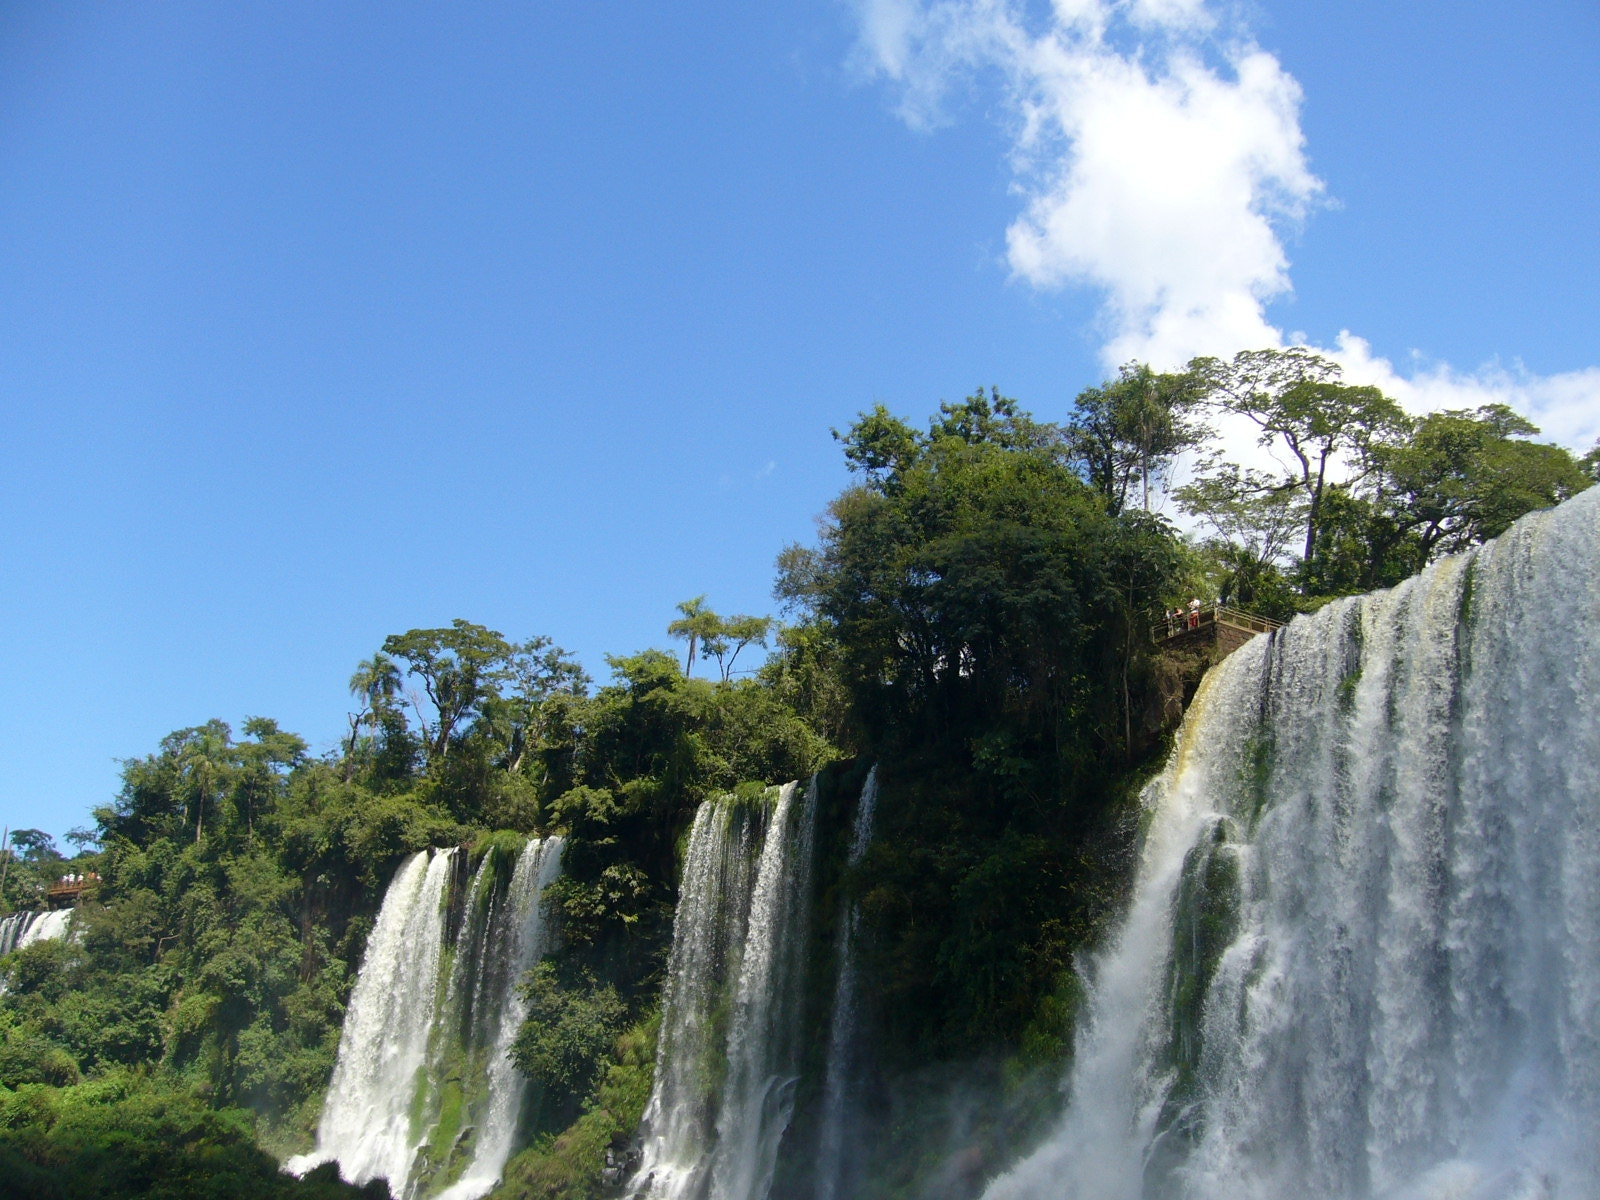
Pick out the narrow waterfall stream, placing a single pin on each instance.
(423, 1094)
(727, 1062)
(514, 935)
(833, 1155)
(1362, 959)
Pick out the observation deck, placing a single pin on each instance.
(61, 894)
(1219, 629)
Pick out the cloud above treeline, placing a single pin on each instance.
(1159, 158)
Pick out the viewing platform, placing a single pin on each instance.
(1220, 629)
(63, 893)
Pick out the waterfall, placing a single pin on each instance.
(366, 1121)
(1362, 958)
(423, 1093)
(509, 948)
(12, 928)
(843, 1047)
(728, 1058)
(25, 928)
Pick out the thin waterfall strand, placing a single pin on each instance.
(522, 941)
(843, 1048)
(1362, 958)
(763, 1051)
(707, 939)
(728, 1057)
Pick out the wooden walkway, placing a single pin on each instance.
(60, 895)
(1220, 627)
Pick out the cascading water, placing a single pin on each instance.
(12, 928)
(366, 1124)
(843, 1047)
(513, 937)
(423, 1092)
(25, 928)
(727, 1062)
(1363, 954)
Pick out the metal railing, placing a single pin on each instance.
(66, 891)
(1215, 614)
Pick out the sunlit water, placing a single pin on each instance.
(728, 1058)
(425, 1013)
(1362, 959)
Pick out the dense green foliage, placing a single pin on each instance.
(237, 879)
(1370, 495)
(986, 605)
(127, 1135)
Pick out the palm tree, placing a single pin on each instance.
(699, 624)
(203, 760)
(376, 683)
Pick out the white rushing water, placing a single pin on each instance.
(366, 1124)
(429, 1016)
(511, 947)
(25, 928)
(841, 1075)
(1362, 959)
(728, 1058)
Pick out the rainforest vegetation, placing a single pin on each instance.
(974, 617)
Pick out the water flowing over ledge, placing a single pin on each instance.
(424, 1094)
(25, 928)
(727, 1063)
(836, 1151)
(1362, 957)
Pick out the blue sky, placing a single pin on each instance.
(321, 322)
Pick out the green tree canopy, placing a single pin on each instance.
(1132, 429)
(460, 667)
(1463, 477)
(1296, 399)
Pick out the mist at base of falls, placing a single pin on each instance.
(1362, 958)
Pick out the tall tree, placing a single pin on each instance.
(1133, 428)
(732, 636)
(460, 667)
(1465, 475)
(34, 845)
(697, 624)
(204, 758)
(1294, 396)
(265, 760)
(537, 670)
(375, 683)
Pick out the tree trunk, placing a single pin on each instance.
(1316, 505)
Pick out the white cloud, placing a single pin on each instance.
(1154, 174)
(1566, 407)
(1159, 155)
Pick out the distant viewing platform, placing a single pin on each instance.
(69, 890)
(1218, 627)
